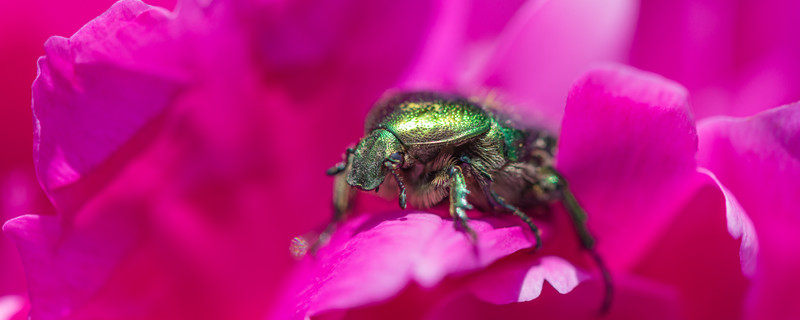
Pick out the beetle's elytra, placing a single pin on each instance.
(424, 147)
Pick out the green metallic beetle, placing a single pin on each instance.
(433, 145)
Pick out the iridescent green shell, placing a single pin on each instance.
(429, 118)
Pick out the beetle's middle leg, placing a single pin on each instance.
(458, 201)
(497, 202)
(537, 233)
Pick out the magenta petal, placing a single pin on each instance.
(627, 149)
(739, 226)
(736, 57)
(98, 88)
(758, 160)
(459, 41)
(19, 193)
(634, 299)
(65, 270)
(351, 51)
(13, 307)
(520, 282)
(698, 257)
(373, 258)
(550, 43)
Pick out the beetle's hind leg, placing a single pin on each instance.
(537, 233)
(458, 201)
(579, 217)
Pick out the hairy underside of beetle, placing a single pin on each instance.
(427, 179)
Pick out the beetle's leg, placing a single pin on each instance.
(458, 201)
(342, 197)
(342, 192)
(485, 181)
(341, 166)
(578, 217)
(393, 169)
(537, 233)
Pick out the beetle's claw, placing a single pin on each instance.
(338, 168)
(463, 224)
(403, 198)
(538, 236)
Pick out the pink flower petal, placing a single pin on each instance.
(627, 149)
(460, 41)
(521, 282)
(698, 256)
(350, 51)
(19, 194)
(65, 270)
(680, 52)
(739, 226)
(550, 43)
(735, 57)
(635, 299)
(13, 307)
(96, 89)
(758, 160)
(373, 258)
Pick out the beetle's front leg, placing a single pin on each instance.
(342, 197)
(344, 164)
(342, 192)
(458, 201)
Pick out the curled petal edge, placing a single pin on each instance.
(12, 307)
(739, 226)
(525, 283)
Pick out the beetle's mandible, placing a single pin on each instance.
(424, 147)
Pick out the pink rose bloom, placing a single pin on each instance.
(183, 151)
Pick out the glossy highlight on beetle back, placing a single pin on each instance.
(426, 118)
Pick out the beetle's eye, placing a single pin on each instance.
(396, 157)
(395, 160)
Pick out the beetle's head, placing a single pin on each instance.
(374, 157)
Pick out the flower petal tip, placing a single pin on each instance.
(13, 307)
(521, 282)
(739, 226)
(620, 81)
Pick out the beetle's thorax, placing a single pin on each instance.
(368, 169)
